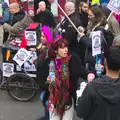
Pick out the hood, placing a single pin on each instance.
(108, 89)
(4, 5)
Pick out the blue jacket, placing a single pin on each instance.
(104, 1)
(6, 13)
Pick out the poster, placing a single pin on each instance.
(18, 68)
(54, 8)
(1, 10)
(96, 43)
(114, 6)
(21, 56)
(8, 69)
(31, 38)
(28, 65)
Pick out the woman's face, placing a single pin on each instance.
(62, 52)
(91, 16)
(43, 38)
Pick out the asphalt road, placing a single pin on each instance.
(14, 110)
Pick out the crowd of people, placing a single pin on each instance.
(65, 60)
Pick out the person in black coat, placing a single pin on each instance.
(83, 13)
(97, 23)
(75, 70)
(101, 99)
(16, 13)
(70, 33)
(44, 16)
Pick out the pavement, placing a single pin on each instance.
(15, 110)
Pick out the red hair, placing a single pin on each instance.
(61, 43)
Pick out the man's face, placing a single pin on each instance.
(41, 6)
(84, 8)
(12, 10)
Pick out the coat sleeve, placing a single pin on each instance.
(11, 29)
(86, 41)
(77, 70)
(84, 103)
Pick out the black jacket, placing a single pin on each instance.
(70, 32)
(17, 17)
(45, 18)
(83, 16)
(106, 42)
(100, 100)
(76, 71)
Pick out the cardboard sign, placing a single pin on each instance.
(31, 38)
(8, 69)
(114, 6)
(96, 43)
(22, 56)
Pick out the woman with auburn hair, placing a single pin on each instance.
(64, 71)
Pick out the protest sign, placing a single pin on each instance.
(96, 43)
(114, 6)
(21, 56)
(8, 69)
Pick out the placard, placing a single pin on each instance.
(21, 56)
(18, 68)
(28, 65)
(8, 69)
(96, 43)
(31, 38)
(114, 6)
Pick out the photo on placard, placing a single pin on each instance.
(21, 56)
(31, 38)
(8, 69)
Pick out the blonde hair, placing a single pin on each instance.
(70, 6)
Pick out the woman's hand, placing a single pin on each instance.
(90, 77)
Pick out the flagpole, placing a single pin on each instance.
(68, 18)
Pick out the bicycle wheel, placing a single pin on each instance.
(21, 87)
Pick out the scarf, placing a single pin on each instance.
(59, 85)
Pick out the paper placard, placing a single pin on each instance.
(29, 67)
(18, 68)
(8, 69)
(96, 43)
(21, 56)
(31, 38)
(114, 6)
